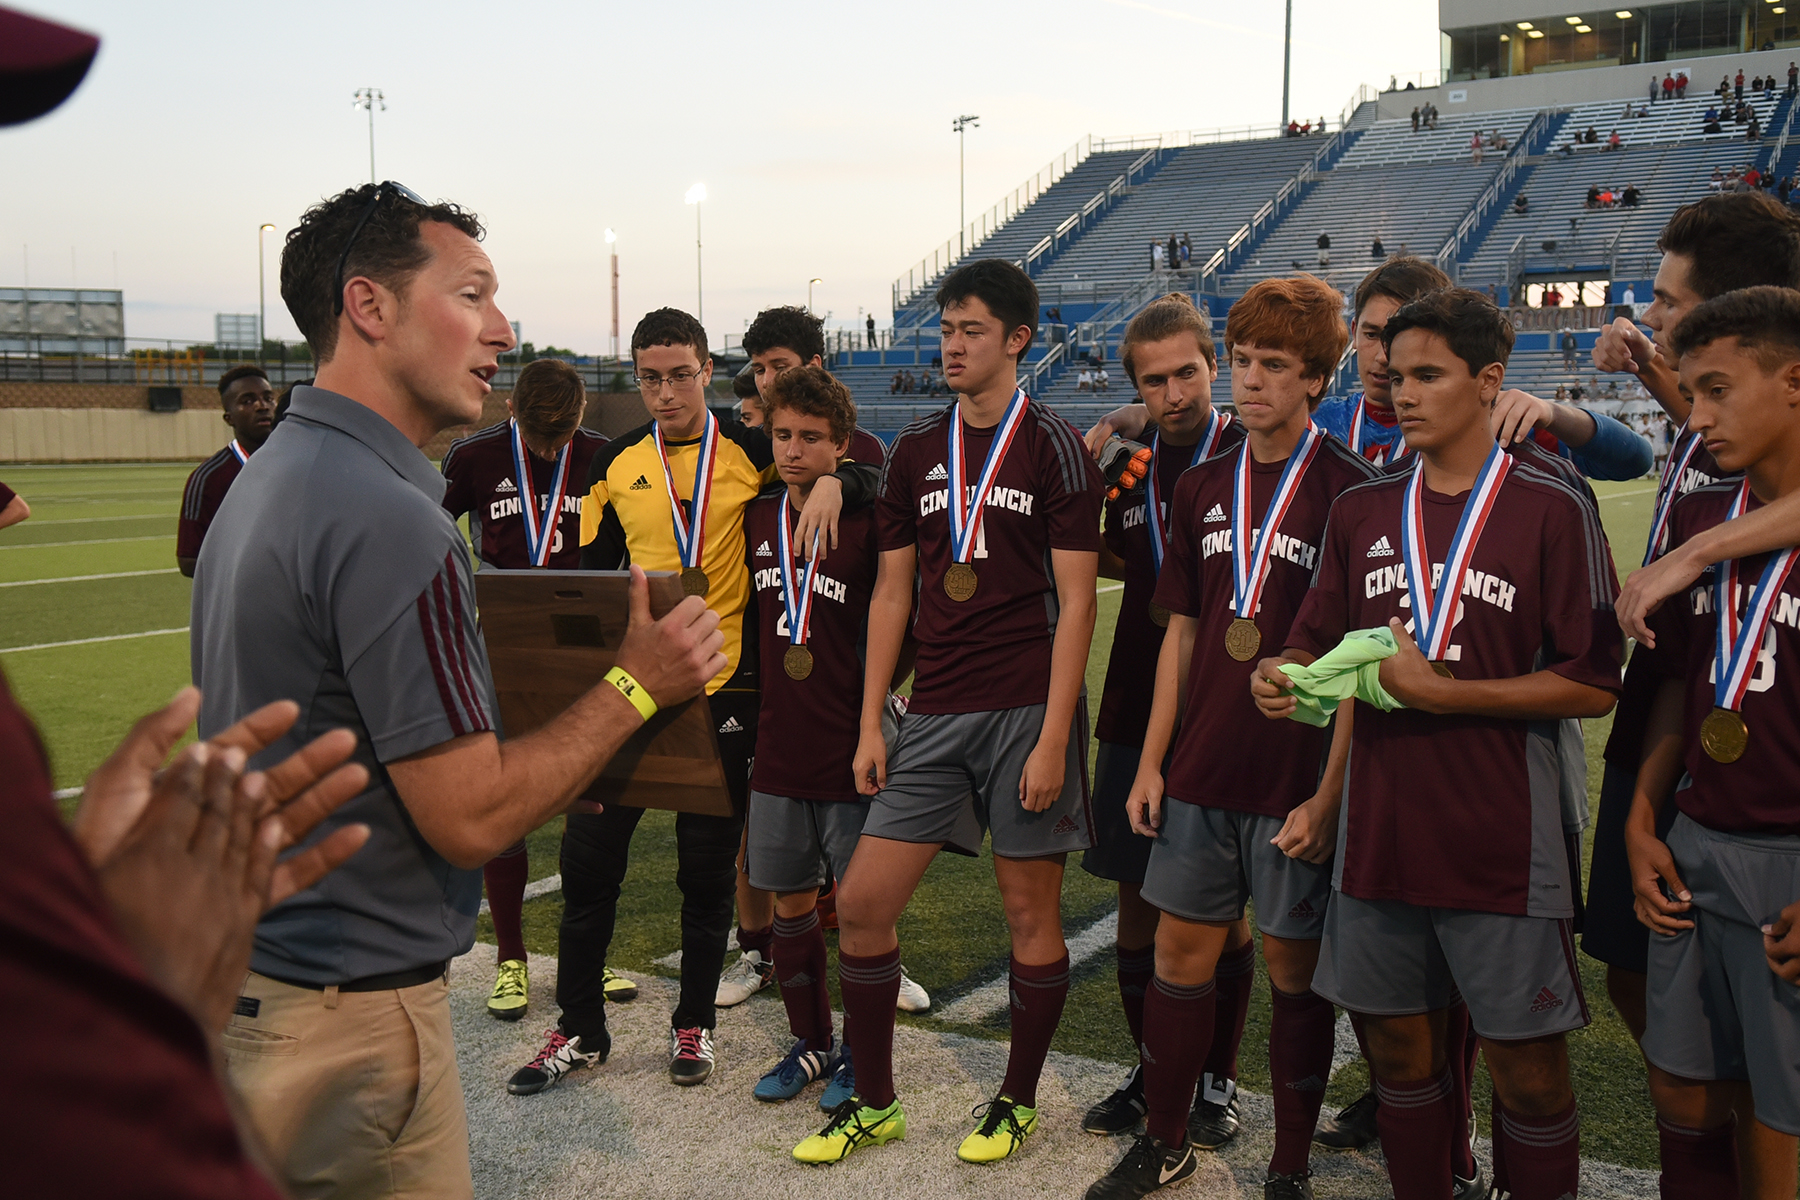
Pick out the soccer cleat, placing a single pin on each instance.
(789, 1077)
(1121, 1111)
(1150, 1165)
(1477, 1188)
(616, 987)
(843, 1080)
(853, 1125)
(750, 974)
(1352, 1128)
(511, 983)
(1005, 1124)
(560, 1055)
(1212, 1125)
(1297, 1186)
(912, 998)
(690, 1056)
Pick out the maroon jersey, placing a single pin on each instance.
(6, 496)
(807, 734)
(865, 447)
(1760, 792)
(1226, 753)
(991, 651)
(1625, 746)
(201, 498)
(483, 481)
(1424, 789)
(1137, 640)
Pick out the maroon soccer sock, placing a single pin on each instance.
(1178, 1027)
(799, 949)
(1038, 994)
(1500, 1177)
(760, 940)
(1135, 970)
(870, 986)
(1234, 976)
(1543, 1154)
(1698, 1164)
(1415, 1120)
(1302, 1036)
(505, 875)
(1460, 1047)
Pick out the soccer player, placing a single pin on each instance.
(1511, 634)
(13, 508)
(1244, 812)
(670, 496)
(990, 510)
(749, 398)
(1168, 355)
(540, 451)
(249, 404)
(1720, 887)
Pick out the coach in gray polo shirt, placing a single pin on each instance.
(333, 577)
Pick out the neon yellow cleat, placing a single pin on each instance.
(852, 1126)
(1005, 1124)
(617, 988)
(511, 986)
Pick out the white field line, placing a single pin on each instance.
(111, 637)
(151, 537)
(1632, 492)
(534, 889)
(992, 997)
(36, 523)
(67, 793)
(86, 578)
(1111, 587)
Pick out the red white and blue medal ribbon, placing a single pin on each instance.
(966, 508)
(1207, 446)
(1379, 457)
(540, 527)
(1250, 558)
(243, 456)
(690, 537)
(799, 608)
(1434, 609)
(1668, 490)
(1738, 644)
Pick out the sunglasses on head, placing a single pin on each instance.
(389, 188)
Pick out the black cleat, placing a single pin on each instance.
(1477, 1188)
(1352, 1128)
(1121, 1111)
(1149, 1166)
(1297, 1186)
(1211, 1125)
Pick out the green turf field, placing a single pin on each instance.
(87, 655)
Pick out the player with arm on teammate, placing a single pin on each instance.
(1720, 889)
(990, 511)
(249, 404)
(1168, 354)
(1244, 812)
(1512, 634)
(519, 482)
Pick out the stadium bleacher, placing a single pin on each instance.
(1392, 142)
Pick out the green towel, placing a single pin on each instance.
(1352, 669)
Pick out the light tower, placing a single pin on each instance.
(696, 196)
(962, 219)
(370, 98)
(612, 241)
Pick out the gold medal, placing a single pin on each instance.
(694, 581)
(1242, 639)
(1159, 616)
(798, 662)
(1443, 668)
(1723, 735)
(959, 582)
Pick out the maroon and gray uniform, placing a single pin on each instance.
(865, 447)
(1716, 1010)
(983, 674)
(481, 479)
(1233, 775)
(201, 498)
(1119, 853)
(1417, 916)
(804, 806)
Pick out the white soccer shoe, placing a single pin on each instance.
(912, 998)
(750, 974)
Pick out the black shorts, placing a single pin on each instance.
(1120, 853)
(1612, 932)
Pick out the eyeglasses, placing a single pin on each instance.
(386, 189)
(680, 381)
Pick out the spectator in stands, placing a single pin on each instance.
(1593, 196)
(1293, 128)
(1575, 393)
(1681, 82)
(1753, 131)
(1431, 114)
(1306, 129)
(1753, 177)
(1102, 381)
(1724, 90)
(1653, 89)
(1756, 84)
(1593, 136)
(1628, 297)
(1173, 251)
(1785, 188)
(871, 325)
(1567, 149)
(1552, 297)
(1375, 250)
(894, 384)
(1567, 342)
(1562, 393)
(1769, 87)
(1475, 147)
(1521, 204)
(1084, 382)
(1615, 142)
(1738, 85)
(1324, 250)
(1415, 118)
(1631, 197)
(1187, 251)
(1668, 87)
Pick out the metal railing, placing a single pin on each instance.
(1076, 223)
(1787, 130)
(1271, 211)
(1537, 130)
(1178, 138)
(1576, 255)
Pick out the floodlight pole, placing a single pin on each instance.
(962, 190)
(612, 240)
(369, 98)
(262, 294)
(1287, 62)
(809, 294)
(696, 196)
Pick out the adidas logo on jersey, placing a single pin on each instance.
(506, 485)
(1066, 825)
(1545, 1001)
(731, 726)
(1381, 549)
(1215, 513)
(640, 484)
(936, 472)
(1302, 909)
(763, 551)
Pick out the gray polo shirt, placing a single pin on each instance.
(333, 577)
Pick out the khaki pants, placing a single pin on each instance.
(354, 1094)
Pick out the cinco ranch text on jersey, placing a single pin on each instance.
(1478, 584)
(1011, 499)
(571, 506)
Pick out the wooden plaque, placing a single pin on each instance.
(552, 635)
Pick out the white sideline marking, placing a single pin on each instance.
(153, 537)
(86, 578)
(1632, 492)
(35, 523)
(992, 997)
(111, 637)
(66, 793)
(1111, 587)
(534, 889)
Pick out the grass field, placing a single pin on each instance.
(93, 635)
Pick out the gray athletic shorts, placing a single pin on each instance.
(1387, 958)
(953, 775)
(1206, 862)
(790, 841)
(1716, 1011)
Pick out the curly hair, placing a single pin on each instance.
(813, 392)
(788, 327)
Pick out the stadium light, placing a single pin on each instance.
(1526, 25)
(696, 196)
(809, 288)
(962, 219)
(1624, 14)
(1573, 20)
(369, 98)
(1584, 29)
(612, 239)
(1535, 33)
(262, 293)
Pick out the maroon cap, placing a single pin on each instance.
(41, 64)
